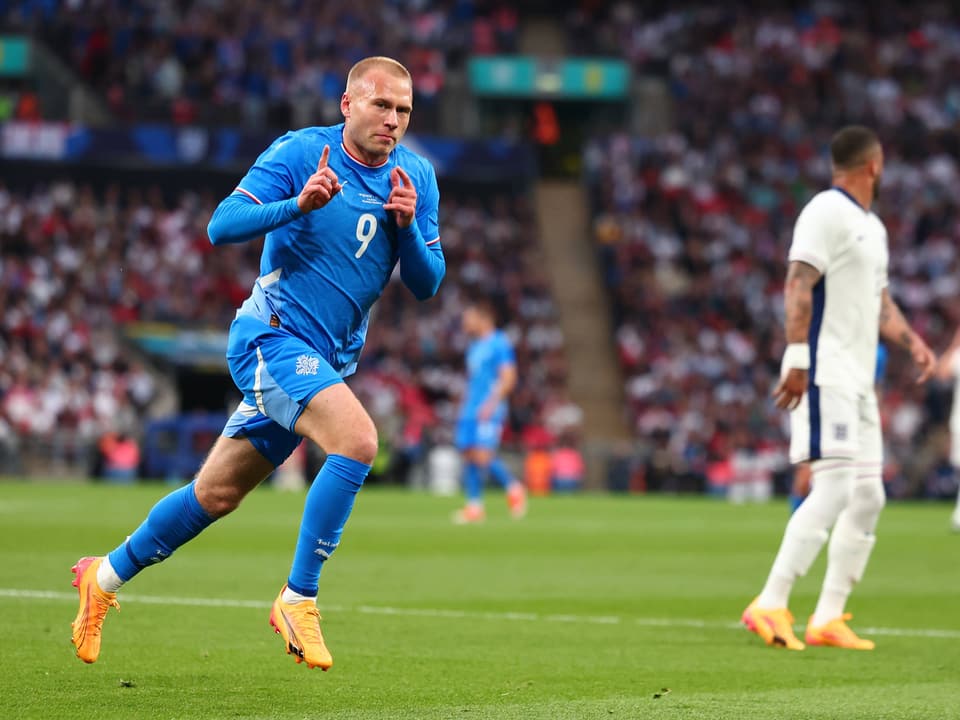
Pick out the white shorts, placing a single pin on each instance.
(833, 422)
(955, 447)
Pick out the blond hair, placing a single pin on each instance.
(360, 69)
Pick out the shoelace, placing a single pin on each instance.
(103, 604)
(311, 630)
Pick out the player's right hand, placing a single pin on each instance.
(320, 187)
(791, 389)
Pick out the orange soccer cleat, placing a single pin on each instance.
(837, 633)
(299, 625)
(517, 500)
(94, 604)
(469, 514)
(775, 627)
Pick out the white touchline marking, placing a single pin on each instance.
(452, 614)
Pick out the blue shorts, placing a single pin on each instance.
(278, 374)
(481, 434)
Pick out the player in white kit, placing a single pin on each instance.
(950, 368)
(836, 306)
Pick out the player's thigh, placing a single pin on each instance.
(464, 435)
(825, 425)
(868, 495)
(232, 469)
(869, 433)
(336, 420)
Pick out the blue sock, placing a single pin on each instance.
(173, 521)
(501, 473)
(473, 483)
(329, 502)
(795, 502)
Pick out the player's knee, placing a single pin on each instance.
(867, 501)
(481, 457)
(360, 445)
(218, 500)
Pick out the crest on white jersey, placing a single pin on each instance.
(307, 365)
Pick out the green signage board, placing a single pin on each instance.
(529, 77)
(14, 56)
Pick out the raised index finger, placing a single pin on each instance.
(324, 156)
(404, 177)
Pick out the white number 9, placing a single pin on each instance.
(366, 229)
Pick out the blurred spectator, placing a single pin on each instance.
(567, 467)
(120, 457)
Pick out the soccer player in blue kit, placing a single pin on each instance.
(491, 377)
(340, 207)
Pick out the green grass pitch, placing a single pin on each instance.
(589, 608)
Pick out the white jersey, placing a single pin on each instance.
(848, 245)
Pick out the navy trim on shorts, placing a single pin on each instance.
(813, 404)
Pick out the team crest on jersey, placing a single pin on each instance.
(307, 365)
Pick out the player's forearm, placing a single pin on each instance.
(422, 266)
(798, 301)
(798, 305)
(894, 327)
(239, 218)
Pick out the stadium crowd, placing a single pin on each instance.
(279, 64)
(76, 265)
(693, 227)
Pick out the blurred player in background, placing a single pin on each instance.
(340, 207)
(801, 471)
(949, 368)
(837, 304)
(491, 377)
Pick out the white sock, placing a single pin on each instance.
(776, 593)
(807, 531)
(830, 605)
(107, 577)
(851, 543)
(292, 598)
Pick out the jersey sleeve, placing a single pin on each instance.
(428, 206)
(811, 237)
(271, 177)
(505, 354)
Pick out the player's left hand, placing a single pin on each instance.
(924, 358)
(403, 197)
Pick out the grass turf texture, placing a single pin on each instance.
(633, 561)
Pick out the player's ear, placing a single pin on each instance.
(345, 105)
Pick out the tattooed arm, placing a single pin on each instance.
(895, 329)
(798, 304)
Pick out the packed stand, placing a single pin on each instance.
(278, 65)
(693, 226)
(75, 265)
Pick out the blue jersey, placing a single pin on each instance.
(321, 272)
(485, 357)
